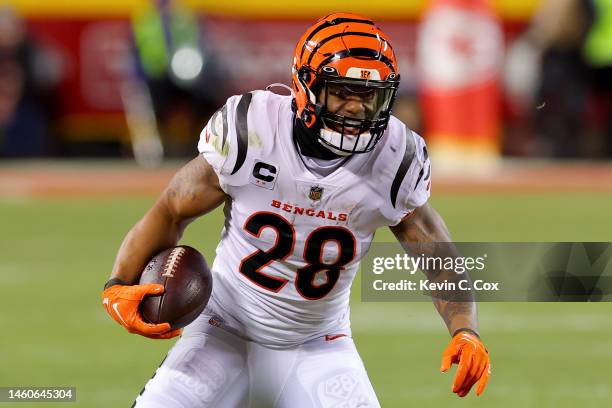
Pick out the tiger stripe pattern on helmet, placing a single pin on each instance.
(343, 45)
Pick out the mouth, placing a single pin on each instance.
(350, 126)
(348, 130)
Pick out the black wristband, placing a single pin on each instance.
(113, 282)
(465, 329)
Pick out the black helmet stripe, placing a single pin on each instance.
(327, 24)
(331, 37)
(359, 52)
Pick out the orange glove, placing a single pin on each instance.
(122, 301)
(467, 350)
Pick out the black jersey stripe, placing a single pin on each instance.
(330, 24)
(428, 173)
(213, 121)
(423, 170)
(404, 166)
(419, 178)
(242, 130)
(224, 116)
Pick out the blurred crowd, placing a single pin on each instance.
(25, 106)
(556, 84)
(559, 80)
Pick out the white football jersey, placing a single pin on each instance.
(292, 240)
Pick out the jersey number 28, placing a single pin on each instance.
(252, 265)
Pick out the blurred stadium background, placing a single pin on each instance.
(101, 101)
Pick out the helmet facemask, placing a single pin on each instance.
(354, 113)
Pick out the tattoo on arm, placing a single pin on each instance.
(186, 182)
(425, 234)
(194, 190)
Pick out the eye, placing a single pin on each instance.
(338, 92)
(369, 96)
(352, 93)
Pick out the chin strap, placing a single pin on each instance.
(307, 141)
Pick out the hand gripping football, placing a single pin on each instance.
(187, 280)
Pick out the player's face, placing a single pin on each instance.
(350, 101)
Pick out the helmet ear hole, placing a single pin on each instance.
(330, 70)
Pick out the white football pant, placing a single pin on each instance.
(211, 367)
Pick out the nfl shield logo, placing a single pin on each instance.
(315, 193)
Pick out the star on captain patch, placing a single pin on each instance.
(315, 193)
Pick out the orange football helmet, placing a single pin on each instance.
(344, 58)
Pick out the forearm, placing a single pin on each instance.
(456, 307)
(156, 231)
(193, 191)
(426, 233)
(457, 315)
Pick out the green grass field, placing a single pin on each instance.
(56, 254)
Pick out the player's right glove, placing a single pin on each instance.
(122, 301)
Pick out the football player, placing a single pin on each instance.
(305, 180)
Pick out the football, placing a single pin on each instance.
(187, 280)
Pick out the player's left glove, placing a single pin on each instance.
(466, 350)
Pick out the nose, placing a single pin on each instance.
(354, 106)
